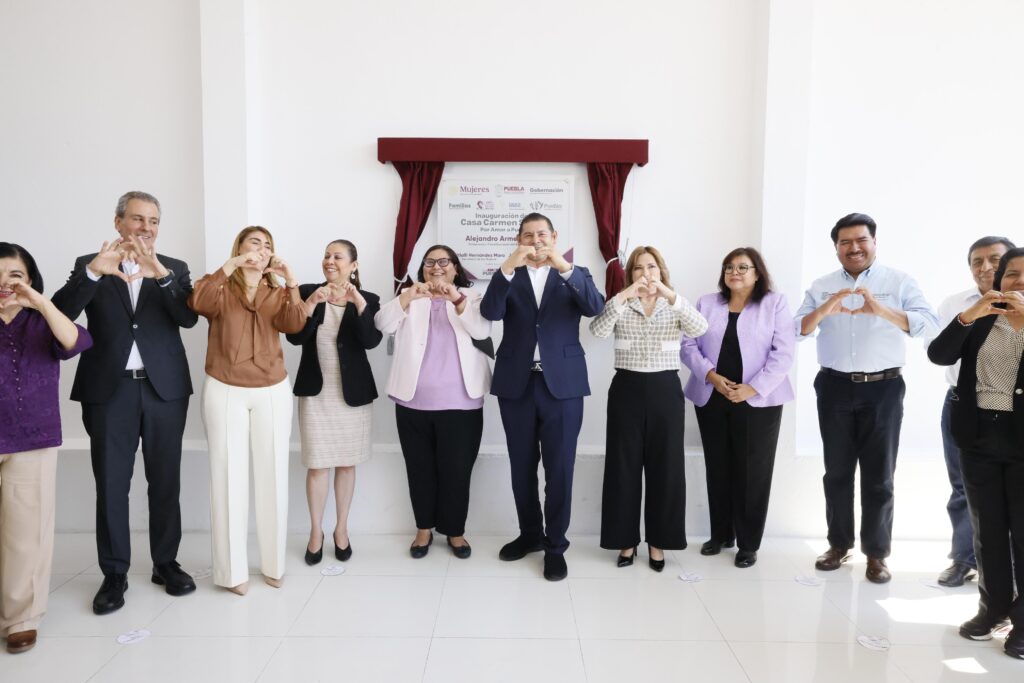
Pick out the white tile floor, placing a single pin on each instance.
(390, 618)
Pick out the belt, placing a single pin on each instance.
(861, 377)
(536, 367)
(135, 374)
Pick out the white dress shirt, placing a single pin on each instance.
(538, 278)
(134, 287)
(953, 305)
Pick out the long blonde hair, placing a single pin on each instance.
(636, 254)
(238, 277)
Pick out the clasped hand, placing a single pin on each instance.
(734, 391)
(108, 260)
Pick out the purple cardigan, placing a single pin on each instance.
(767, 337)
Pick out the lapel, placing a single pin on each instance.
(122, 289)
(144, 291)
(549, 286)
(522, 277)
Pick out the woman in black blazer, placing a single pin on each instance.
(987, 422)
(336, 389)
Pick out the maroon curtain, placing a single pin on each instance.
(607, 182)
(420, 180)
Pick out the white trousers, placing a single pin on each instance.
(28, 486)
(239, 420)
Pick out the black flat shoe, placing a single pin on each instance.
(314, 558)
(626, 560)
(713, 547)
(460, 551)
(419, 551)
(173, 578)
(110, 596)
(746, 558)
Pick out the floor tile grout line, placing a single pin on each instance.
(579, 636)
(728, 643)
(266, 664)
(437, 616)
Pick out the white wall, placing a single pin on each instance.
(767, 121)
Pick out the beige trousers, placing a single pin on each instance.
(28, 485)
(240, 421)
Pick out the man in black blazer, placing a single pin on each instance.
(540, 379)
(133, 383)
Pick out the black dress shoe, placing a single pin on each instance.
(626, 560)
(418, 551)
(344, 554)
(981, 627)
(713, 547)
(110, 596)
(312, 558)
(956, 574)
(460, 551)
(746, 558)
(173, 579)
(1014, 645)
(519, 548)
(554, 567)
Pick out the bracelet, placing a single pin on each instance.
(462, 297)
(961, 321)
(291, 285)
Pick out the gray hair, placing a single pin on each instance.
(122, 203)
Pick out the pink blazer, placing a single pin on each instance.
(767, 337)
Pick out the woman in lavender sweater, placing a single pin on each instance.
(438, 382)
(738, 384)
(34, 338)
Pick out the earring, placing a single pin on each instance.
(352, 275)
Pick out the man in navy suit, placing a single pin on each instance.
(540, 379)
(133, 385)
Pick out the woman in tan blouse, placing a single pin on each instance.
(247, 400)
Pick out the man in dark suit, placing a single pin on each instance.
(540, 379)
(133, 383)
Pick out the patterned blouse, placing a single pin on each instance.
(648, 344)
(998, 360)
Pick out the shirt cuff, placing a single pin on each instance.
(92, 276)
(567, 274)
(507, 277)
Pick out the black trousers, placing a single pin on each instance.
(541, 428)
(739, 458)
(993, 472)
(644, 436)
(115, 427)
(440, 448)
(860, 425)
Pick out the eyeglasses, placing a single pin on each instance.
(431, 262)
(742, 268)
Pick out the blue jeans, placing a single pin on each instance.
(963, 539)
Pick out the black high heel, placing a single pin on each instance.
(626, 560)
(656, 565)
(314, 558)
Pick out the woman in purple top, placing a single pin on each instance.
(34, 338)
(738, 383)
(438, 382)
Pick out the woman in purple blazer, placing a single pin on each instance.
(738, 384)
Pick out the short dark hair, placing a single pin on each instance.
(9, 250)
(535, 217)
(988, 242)
(353, 255)
(461, 279)
(997, 280)
(852, 220)
(762, 285)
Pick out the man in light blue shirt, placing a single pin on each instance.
(861, 315)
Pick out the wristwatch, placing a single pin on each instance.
(166, 280)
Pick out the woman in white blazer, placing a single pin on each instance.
(438, 382)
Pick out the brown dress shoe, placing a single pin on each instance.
(22, 641)
(877, 572)
(832, 559)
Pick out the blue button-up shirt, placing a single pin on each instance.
(864, 342)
